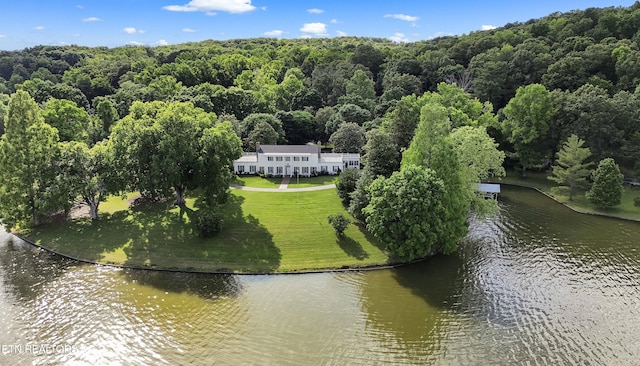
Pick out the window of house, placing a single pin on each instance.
(324, 169)
(296, 158)
(252, 168)
(269, 158)
(261, 170)
(279, 170)
(278, 158)
(305, 158)
(305, 170)
(270, 170)
(287, 158)
(313, 170)
(336, 168)
(240, 168)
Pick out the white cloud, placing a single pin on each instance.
(39, 28)
(398, 38)
(264, 8)
(273, 33)
(335, 21)
(488, 27)
(162, 42)
(79, 6)
(209, 6)
(189, 30)
(92, 19)
(341, 33)
(3, 36)
(318, 29)
(76, 35)
(407, 18)
(132, 30)
(315, 11)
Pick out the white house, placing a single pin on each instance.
(293, 160)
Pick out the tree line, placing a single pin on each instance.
(156, 119)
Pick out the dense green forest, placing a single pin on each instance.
(526, 86)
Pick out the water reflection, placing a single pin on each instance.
(25, 270)
(207, 286)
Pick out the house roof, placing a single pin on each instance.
(247, 159)
(288, 149)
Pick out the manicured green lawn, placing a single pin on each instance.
(256, 181)
(302, 182)
(626, 209)
(263, 232)
(312, 181)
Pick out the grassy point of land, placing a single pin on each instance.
(263, 233)
(626, 209)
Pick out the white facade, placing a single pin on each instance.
(293, 160)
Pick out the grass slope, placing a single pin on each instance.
(263, 232)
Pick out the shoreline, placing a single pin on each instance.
(571, 207)
(372, 267)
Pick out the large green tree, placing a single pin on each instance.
(262, 134)
(571, 167)
(381, 156)
(163, 148)
(249, 123)
(71, 121)
(28, 151)
(528, 116)
(432, 149)
(86, 171)
(407, 212)
(606, 190)
(349, 138)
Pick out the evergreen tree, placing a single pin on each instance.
(606, 190)
(571, 169)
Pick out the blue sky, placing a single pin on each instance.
(113, 23)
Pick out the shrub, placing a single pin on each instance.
(208, 222)
(636, 201)
(346, 184)
(339, 223)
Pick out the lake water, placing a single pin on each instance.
(538, 284)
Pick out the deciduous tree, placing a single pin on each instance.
(262, 134)
(349, 138)
(528, 116)
(407, 213)
(85, 172)
(72, 122)
(28, 150)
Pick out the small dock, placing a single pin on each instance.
(488, 190)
